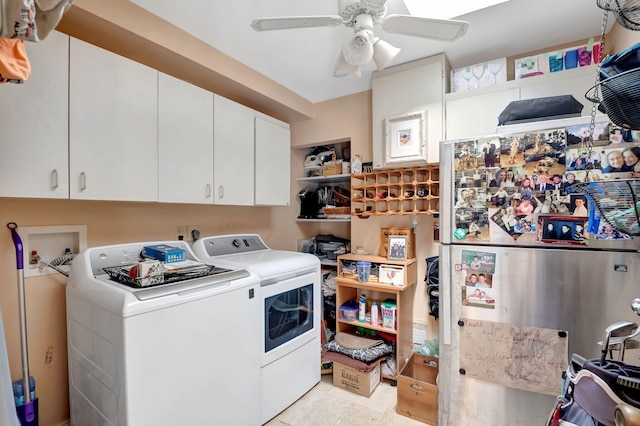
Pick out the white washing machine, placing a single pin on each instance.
(290, 291)
(179, 353)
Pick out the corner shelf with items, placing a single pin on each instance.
(403, 191)
(349, 288)
(318, 181)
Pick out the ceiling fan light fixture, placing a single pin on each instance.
(383, 53)
(344, 68)
(358, 49)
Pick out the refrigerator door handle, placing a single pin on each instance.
(445, 293)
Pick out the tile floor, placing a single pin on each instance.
(327, 405)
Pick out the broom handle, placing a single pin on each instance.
(17, 242)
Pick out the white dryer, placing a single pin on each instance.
(290, 291)
(179, 353)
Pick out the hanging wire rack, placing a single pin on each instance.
(618, 202)
(618, 96)
(627, 12)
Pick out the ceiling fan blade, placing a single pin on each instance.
(436, 29)
(397, 7)
(287, 22)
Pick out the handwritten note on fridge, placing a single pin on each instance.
(527, 358)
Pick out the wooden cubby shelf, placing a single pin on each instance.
(404, 191)
(349, 288)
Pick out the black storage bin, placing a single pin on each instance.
(539, 109)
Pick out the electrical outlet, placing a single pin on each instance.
(193, 233)
(181, 232)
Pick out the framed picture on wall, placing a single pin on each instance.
(397, 247)
(405, 138)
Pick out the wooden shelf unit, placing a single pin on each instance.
(350, 289)
(404, 191)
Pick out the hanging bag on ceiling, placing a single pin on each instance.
(14, 63)
(31, 20)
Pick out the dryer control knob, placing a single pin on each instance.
(236, 243)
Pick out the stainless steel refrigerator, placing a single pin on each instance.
(527, 278)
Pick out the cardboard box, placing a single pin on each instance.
(165, 253)
(389, 313)
(356, 381)
(417, 389)
(391, 274)
(149, 272)
(408, 232)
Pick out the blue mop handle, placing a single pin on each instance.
(18, 243)
(26, 388)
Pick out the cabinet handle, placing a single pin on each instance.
(220, 191)
(417, 388)
(207, 191)
(83, 181)
(54, 179)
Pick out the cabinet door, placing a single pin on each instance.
(570, 82)
(233, 153)
(185, 142)
(113, 140)
(477, 115)
(410, 88)
(34, 125)
(273, 162)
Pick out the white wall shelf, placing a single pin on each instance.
(324, 179)
(324, 220)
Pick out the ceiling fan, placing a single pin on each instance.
(363, 46)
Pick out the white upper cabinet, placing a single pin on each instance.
(113, 133)
(477, 115)
(407, 89)
(34, 125)
(233, 153)
(272, 162)
(185, 142)
(475, 112)
(575, 82)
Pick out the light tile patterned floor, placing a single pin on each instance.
(327, 405)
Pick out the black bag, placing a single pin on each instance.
(539, 109)
(432, 279)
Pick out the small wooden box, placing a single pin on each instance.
(331, 168)
(417, 389)
(408, 232)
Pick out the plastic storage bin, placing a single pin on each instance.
(349, 311)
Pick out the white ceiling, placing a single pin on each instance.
(303, 60)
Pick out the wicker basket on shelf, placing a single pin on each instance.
(342, 196)
(336, 212)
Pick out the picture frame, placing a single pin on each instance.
(405, 138)
(397, 247)
(563, 230)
